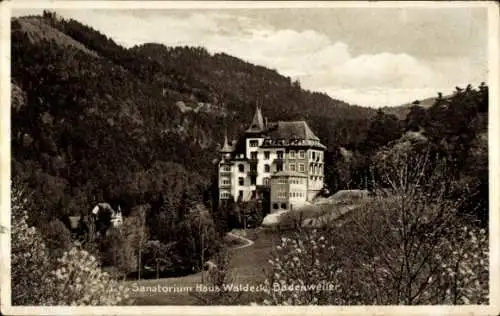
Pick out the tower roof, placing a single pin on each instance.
(226, 148)
(257, 124)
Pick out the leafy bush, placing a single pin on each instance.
(304, 262)
(74, 279)
(30, 264)
(78, 280)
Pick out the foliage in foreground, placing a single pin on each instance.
(73, 279)
(408, 245)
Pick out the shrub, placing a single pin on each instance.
(78, 280)
(74, 279)
(303, 261)
(30, 263)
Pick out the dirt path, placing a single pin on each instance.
(247, 241)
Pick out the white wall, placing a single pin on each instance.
(262, 162)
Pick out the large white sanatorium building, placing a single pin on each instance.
(285, 156)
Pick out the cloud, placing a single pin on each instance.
(320, 63)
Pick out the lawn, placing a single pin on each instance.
(247, 267)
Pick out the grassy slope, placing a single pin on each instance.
(248, 266)
(38, 30)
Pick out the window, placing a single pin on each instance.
(267, 154)
(241, 168)
(267, 168)
(283, 206)
(241, 181)
(279, 166)
(254, 194)
(226, 181)
(314, 155)
(253, 155)
(275, 206)
(302, 154)
(292, 167)
(301, 167)
(282, 181)
(267, 181)
(254, 143)
(226, 168)
(225, 195)
(280, 154)
(292, 154)
(253, 180)
(240, 194)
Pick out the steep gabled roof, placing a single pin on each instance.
(288, 130)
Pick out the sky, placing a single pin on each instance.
(367, 56)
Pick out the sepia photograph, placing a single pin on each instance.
(225, 157)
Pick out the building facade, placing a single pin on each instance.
(285, 157)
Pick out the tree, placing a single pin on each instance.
(198, 240)
(414, 236)
(416, 118)
(412, 247)
(383, 129)
(134, 227)
(219, 276)
(118, 252)
(159, 255)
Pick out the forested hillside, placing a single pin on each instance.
(95, 117)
